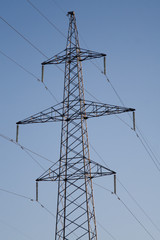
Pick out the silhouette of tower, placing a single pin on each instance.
(75, 217)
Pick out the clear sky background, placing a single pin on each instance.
(128, 31)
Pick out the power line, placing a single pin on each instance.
(133, 215)
(130, 195)
(134, 200)
(50, 92)
(24, 148)
(19, 65)
(104, 229)
(149, 147)
(152, 158)
(35, 77)
(16, 194)
(28, 41)
(46, 18)
(28, 198)
(21, 35)
(30, 73)
(31, 199)
(142, 140)
(58, 5)
(15, 229)
(146, 230)
(34, 160)
(106, 189)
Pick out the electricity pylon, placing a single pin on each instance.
(75, 217)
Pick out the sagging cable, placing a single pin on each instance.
(134, 124)
(115, 192)
(36, 191)
(104, 65)
(17, 133)
(42, 73)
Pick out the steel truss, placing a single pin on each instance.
(75, 217)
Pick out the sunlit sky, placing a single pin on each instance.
(128, 31)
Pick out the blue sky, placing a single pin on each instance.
(128, 32)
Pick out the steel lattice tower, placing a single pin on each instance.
(75, 217)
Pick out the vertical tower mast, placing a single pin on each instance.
(75, 217)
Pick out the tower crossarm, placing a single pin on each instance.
(72, 55)
(74, 172)
(90, 109)
(52, 114)
(97, 109)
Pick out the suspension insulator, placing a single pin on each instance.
(104, 65)
(114, 183)
(134, 125)
(42, 73)
(36, 191)
(17, 133)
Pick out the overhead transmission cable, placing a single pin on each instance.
(16, 229)
(28, 41)
(128, 209)
(58, 5)
(144, 212)
(28, 198)
(142, 139)
(46, 209)
(22, 36)
(31, 199)
(25, 148)
(46, 18)
(104, 229)
(35, 77)
(29, 72)
(130, 195)
(139, 206)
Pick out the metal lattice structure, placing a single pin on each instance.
(75, 217)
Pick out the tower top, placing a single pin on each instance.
(71, 13)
